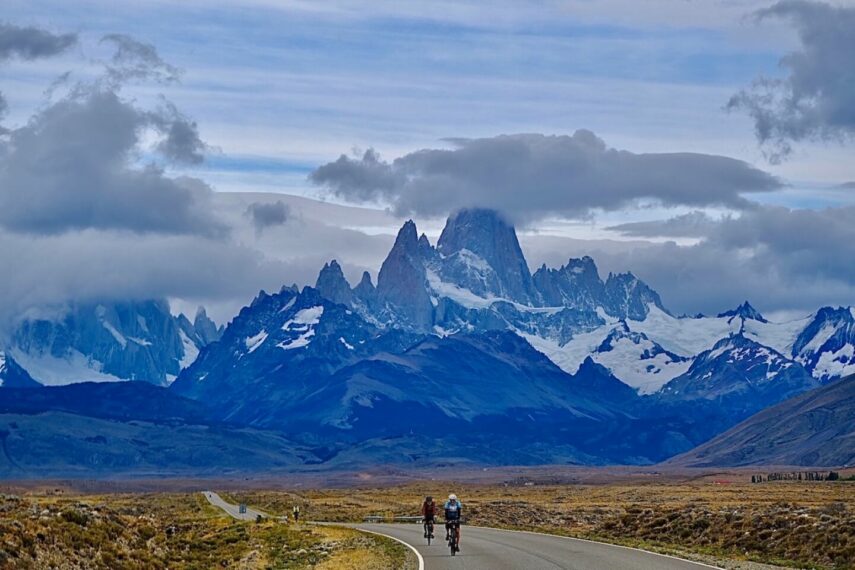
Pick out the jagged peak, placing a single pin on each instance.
(745, 311)
(262, 295)
(366, 280)
(584, 265)
(330, 273)
(464, 227)
(622, 277)
(408, 237)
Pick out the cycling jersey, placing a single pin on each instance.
(452, 511)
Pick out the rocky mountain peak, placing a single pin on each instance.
(744, 311)
(206, 329)
(333, 285)
(489, 260)
(401, 283)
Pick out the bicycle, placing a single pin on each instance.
(428, 530)
(454, 538)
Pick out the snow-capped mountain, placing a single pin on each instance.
(477, 279)
(278, 350)
(134, 340)
(13, 376)
(458, 346)
(826, 346)
(740, 375)
(745, 312)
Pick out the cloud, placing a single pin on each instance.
(134, 60)
(30, 43)
(108, 265)
(77, 163)
(267, 214)
(780, 259)
(531, 176)
(816, 100)
(689, 225)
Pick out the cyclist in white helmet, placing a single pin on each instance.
(453, 512)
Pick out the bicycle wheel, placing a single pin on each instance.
(429, 529)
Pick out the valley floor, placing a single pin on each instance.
(724, 522)
(720, 518)
(171, 531)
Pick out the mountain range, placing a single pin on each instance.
(458, 353)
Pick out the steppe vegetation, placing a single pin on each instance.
(799, 524)
(170, 531)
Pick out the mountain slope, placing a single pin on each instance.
(13, 376)
(129, 340)
(826, 346)
(813, 429)
(741, 376)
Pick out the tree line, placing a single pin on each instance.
(797, 476)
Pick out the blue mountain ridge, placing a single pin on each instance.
(435, 362)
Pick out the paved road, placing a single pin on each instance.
(488, 549)
(233, 510)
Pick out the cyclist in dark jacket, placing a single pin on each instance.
(428, 513)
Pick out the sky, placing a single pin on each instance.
(705, 145)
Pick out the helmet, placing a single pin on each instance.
(428, 498)
(452, 497)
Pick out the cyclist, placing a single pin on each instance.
(453, 510)
(428, 514)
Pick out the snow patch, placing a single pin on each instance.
(836, 364)
(302, 323)
(253, 342)
(53, 371)
(191, 351)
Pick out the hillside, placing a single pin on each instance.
(814, 429)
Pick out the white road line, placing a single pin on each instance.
(407, 544)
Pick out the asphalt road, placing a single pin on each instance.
(489, 549)
(233, 510)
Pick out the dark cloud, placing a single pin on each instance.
(110, 265)
(134, 60)
(267, 214)
(77, 164)
(692, 224)
(72, 167)
(778, 258)
(530, 176)
(816, 100)
(30, 43)
(181, 141)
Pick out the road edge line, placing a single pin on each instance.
(704, 564)
(418, 554)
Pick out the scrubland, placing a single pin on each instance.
(796, 524)
(171, 531)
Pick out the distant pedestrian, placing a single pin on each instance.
(296, 512)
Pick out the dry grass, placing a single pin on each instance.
(787, 523)
(169, 531)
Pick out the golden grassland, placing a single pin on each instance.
(795, 524)
(171, 531)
